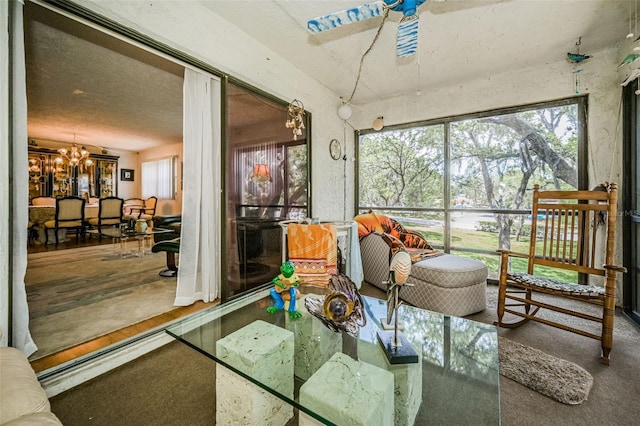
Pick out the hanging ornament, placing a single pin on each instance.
(577, 58)
(576, 80)
(296, 118)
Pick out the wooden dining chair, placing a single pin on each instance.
(571, 231)
(69, 215)
(149, 209)
(110, 213)
(43, 201)
(132, 208)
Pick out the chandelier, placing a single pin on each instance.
(74, 156)
(296, 118)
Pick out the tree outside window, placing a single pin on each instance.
(467, 183)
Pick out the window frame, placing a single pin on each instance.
(581, 103)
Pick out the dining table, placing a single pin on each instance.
(38, 215)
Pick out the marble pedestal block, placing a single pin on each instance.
(348, 392)
(314, 342)
(407, 379)
(265, 353)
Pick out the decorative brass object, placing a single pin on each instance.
(296, 118)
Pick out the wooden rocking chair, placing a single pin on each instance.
(564, 235)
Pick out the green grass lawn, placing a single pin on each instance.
(482, 240)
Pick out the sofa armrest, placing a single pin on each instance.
(375, 250)
(23, 401)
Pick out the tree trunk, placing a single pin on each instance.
(561, 169)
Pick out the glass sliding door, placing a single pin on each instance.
(266, 183)
(631, 202)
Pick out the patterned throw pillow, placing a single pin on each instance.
(371, 222)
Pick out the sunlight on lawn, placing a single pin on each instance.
(481, 240)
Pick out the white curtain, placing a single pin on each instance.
(199, 267)
(13, 150)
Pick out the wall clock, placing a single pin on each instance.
(334, 149)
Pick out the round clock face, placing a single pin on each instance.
(334, 149)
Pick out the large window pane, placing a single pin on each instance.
(467, 183)
(402, 168)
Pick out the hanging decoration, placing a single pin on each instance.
(577, 58)
(296, 118)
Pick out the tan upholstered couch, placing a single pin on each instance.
(22, 399)
(451, 284)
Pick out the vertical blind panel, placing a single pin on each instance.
(157, 179)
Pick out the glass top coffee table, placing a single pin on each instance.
(458, 380)
(128, 242)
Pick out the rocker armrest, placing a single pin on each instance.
(512, 253)
(615, 268)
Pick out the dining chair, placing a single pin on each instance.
(149, 209)
(69, 215)
(132, 207)
(110, 213)
(43, 201)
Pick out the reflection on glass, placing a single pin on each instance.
(266, 182)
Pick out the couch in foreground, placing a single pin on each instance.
(22, 399)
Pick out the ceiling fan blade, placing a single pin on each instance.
(407, 42)
(338, 19)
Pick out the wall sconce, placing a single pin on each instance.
(261, 174)
(378, 124)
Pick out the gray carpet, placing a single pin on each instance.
(78, 294)
(175, 385)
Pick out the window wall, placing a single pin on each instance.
(466, 182)
(267, 181)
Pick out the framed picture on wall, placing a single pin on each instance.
(126, 174)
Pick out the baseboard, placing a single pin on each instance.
(86, 368)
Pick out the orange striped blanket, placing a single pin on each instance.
(313, 251)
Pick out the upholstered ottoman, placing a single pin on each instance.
(450, 284)
(453, 285)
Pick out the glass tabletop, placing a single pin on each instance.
(119, 233)
(459, 357)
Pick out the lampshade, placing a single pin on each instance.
(261, 173)
(345, 111)
(378, 124)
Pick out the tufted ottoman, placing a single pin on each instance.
(453, 285)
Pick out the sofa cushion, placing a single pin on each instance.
(20, 391)
(450, 271)
(35, 419)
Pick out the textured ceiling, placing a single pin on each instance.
(109, 94)
(458, 40)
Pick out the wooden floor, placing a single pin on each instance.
(66, 355)
(85, 348)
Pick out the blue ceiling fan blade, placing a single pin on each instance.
(337, 19)
(407, 42)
